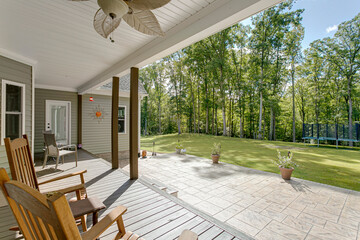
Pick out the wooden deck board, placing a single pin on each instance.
(224, 236)
(150, 214)
(211, 233)
(175, 233)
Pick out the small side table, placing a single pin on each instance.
(87, 206)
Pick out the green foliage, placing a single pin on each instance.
(326, 164)
(285, 161)
(216, 150)
(179, 146)
(255, 81)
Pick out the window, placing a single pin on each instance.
(13, 110)
(121, 119)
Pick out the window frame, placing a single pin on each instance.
(124, 119)
(3, 107)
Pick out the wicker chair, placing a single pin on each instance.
(53, 150)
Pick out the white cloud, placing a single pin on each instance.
(331, 29)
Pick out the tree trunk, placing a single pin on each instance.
(232, 132)
(260, 114)
(159, 107)
(179, 125)
(213, 113)
(146, 115)
(216, 130)
(194, 111)
(271, 133)
(224, 119)
(293, 100)
(240, 117)
(198, 98)
(207, 108)
(350, 111)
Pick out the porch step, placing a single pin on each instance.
(162, 187)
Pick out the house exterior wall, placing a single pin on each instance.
(97, 133)
(15, 71)
(41, 95)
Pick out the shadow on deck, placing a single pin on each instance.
(151, 213)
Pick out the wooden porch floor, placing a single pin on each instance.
(151, 213)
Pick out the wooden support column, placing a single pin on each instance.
(114, 123)
(134, 123)
(79, 127)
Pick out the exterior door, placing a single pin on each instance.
(58, 120)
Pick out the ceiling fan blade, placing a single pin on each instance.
(103, 24)
(144, 21)
(146, 4)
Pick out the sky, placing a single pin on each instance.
(321, 17)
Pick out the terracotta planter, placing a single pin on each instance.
(286, 173)
(215, 158)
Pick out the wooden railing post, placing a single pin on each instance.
(134, 123)
(114, 124)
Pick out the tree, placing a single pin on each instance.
(293, 51)
(344, 51)
(220, 44)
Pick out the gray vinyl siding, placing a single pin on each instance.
(21, 73)
(97, 134)
(41, 95)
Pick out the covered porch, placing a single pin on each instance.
(152, 213)
(53, 46)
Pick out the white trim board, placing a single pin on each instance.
(125, 120)
(105, 92)
(3, 106)
(57, 88)
(17, 57)
(68, 122)
(31, 62)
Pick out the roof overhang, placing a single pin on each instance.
(57, 37)
(214, 18)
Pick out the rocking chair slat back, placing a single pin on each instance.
(20, 161)
(38, 216)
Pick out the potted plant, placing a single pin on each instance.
(285, 164)
(178, 148)
(215, 154)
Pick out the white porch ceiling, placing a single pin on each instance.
(59, 36)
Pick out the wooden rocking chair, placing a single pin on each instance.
(49, 217)
(22, 169)
(52, 150)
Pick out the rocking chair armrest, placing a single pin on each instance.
(70, 189)
(105, 223)
(81, 173)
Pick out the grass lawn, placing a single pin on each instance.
(337, 167)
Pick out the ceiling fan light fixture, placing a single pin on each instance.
(114, 8)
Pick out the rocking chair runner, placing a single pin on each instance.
(22, 169)
(50, 217)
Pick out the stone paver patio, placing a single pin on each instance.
(259, 203)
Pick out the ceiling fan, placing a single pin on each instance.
(136, 13)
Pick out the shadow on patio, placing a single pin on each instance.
(151, 212)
